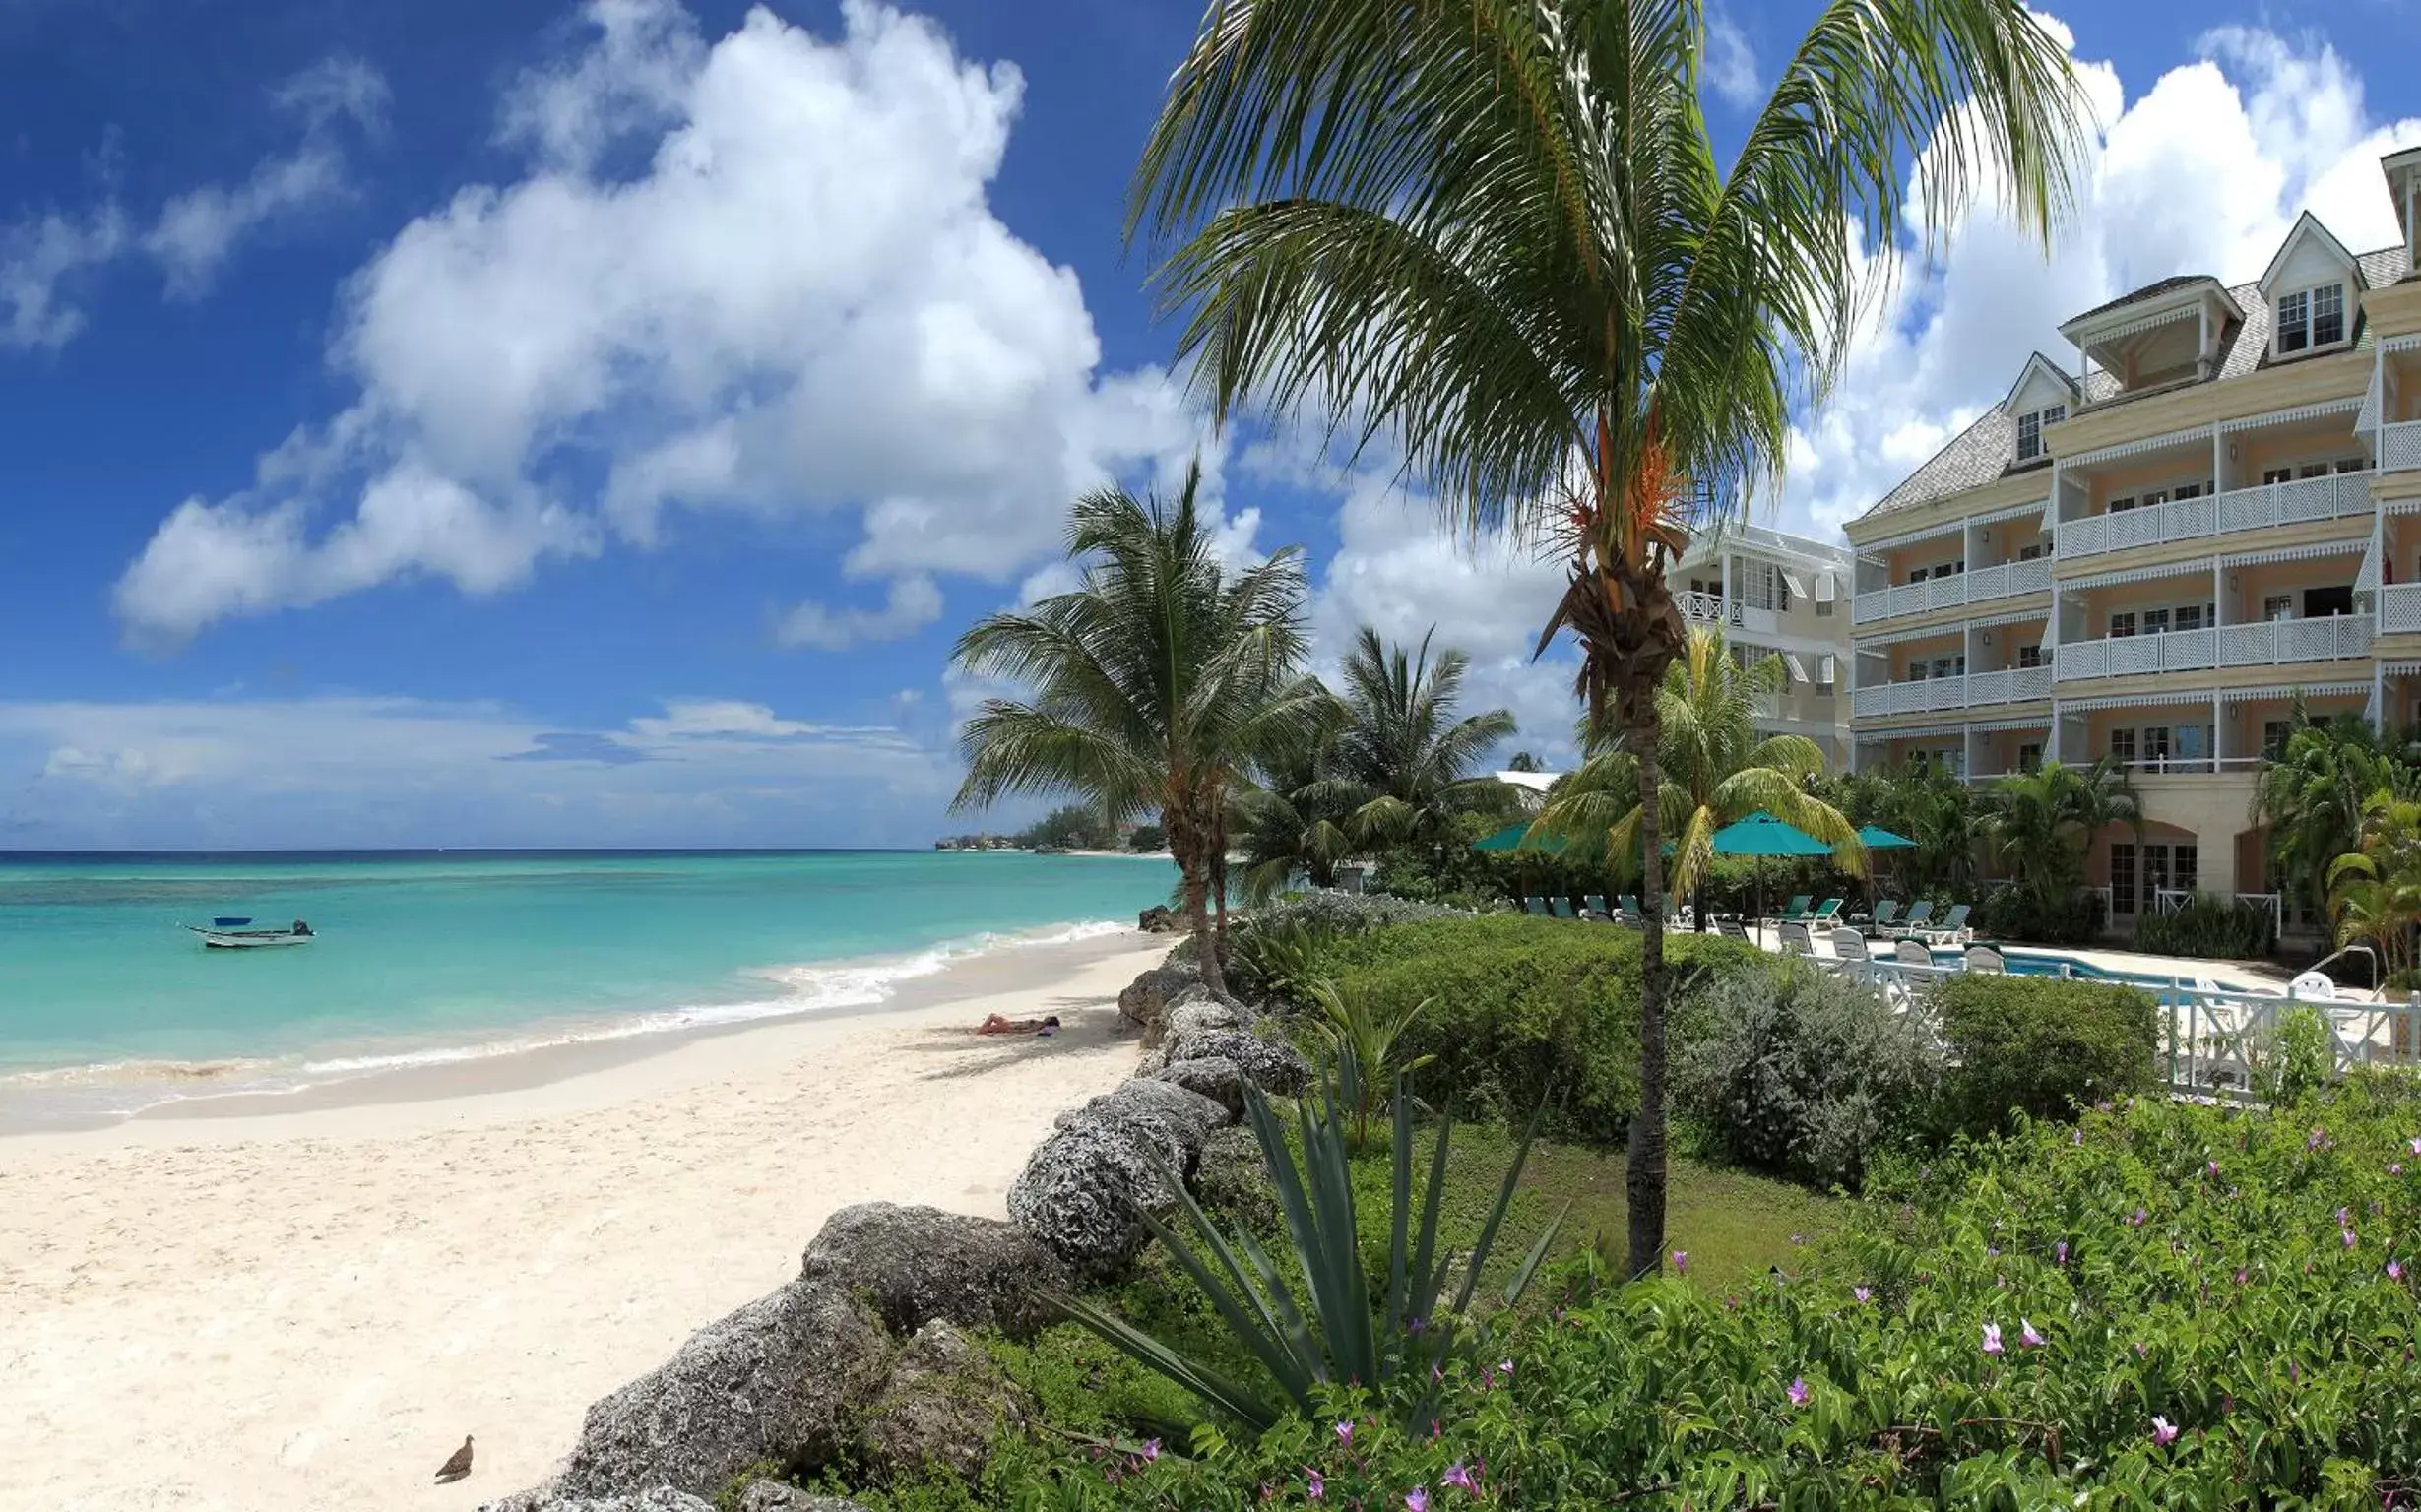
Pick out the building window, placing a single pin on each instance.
(2155, 621)
(1827, 669)
(2122, 877)
(2277, 475)
(2313, 470)
(2294, 322)
(2329, 315)
(2123, 745)
(2031, 757)
(2156, 746)
(2355, 464)
(2030, 656)
(2185, 868)
(2122, 505)
(2122, 624)
(2156, 874)
(2029, 435)
(2274, 738)
(2030, 553)
(2275, 607)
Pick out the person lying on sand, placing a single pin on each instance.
(993, 1024)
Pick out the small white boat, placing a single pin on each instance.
(238, 934)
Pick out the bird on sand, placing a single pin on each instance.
(458, 1467)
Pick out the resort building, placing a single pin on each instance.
(2152, 557)
(1787, 595)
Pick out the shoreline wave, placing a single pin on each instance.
(86, 1090)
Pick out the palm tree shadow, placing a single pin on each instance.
(1085, 1023)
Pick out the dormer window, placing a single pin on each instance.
(2310, 319)
(2030, 429)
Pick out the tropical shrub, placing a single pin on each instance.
(2040, 1047)
(1363, 1035)
(1343, 914)
(2018, 914)
(2169, 1306)
(1802, 1072)
(1522, 1003)
(2208, 927)
(2295, 1058)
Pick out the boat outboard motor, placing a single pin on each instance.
(302, 926)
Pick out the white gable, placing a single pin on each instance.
(2310, 256)
(2039, 384)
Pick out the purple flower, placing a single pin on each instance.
(1459, 1478)
(1151, 1450)
(2076, 1136)
(2163, 1431)
(1992, 1338)
(2347, 1234)
(2413, 1144)
(2028, 1336)
(2395, 1167)
(2316, 1139)
(2395, 1272)
(2140, 1350)
(2137, 1218)
(1504, 1367)
(1862, 1294)
(2345, 1218)
(1345, 1432)
(1417, 1499)
(1314, 1487)
(2240, 1276)
(1797, 1392)
(1681, 1262)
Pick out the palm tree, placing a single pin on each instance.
(1289, 823)
(1496, 234)
(1155, 684)
(1713, 767)
(1400, 754)
(2312, 794)
(2375, 892)
(1929, 805)
(2041, 824)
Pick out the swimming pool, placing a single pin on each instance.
(2023, 962)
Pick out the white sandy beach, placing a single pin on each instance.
(308, 1309)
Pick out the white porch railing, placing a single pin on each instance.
(1710, 608)
(2305, 499)
(2014, 685)
(2006, 580)
(2399, 607)
(2399, 447)
(2272, 643)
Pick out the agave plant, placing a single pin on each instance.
(1362, 1034)
(1337, 1332)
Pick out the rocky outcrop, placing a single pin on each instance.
(1144, 1001)
(940, 1409)
(915, 1265)
(1233, 1178)
(1159, 919)
(1080, 1189)
(771, 1383)
(1219, 1079)
(1271, 1066)
(774, 1496)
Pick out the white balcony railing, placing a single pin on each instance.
(1985, 583)
(1710, 608)
(2242, 509)
(2399, 607)
(2399, 447)
(1929, 695)
(2273, 642)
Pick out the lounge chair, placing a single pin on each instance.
(1563, 907)
(1594, 907)
(1985, 959)
(1537, 906)
(1885, 913)
(1912, 953)
(1849, 945)
(1633, 915)
(1826, 913)
(1952, 930)
(1920, 919)
(1797, 911)
(1730, 929)
(1795, 941)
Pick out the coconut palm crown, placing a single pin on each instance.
(1494, 237)
(1153, 686)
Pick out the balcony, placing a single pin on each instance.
(2273, 642)
(2399, 607)
(1985, 583)
(1976, 690)
(2399, 447)
(1710, 610)
(2299, 502)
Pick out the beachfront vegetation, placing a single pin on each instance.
(2039, 1047)
(1715, 767)
(1494, 239)
(2209, 927)
(1151, 687)
(2039, 825)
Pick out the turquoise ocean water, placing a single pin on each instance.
(437, 955)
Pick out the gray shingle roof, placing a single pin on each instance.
(2162, 286)
(1988, 449)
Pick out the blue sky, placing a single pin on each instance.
(524, 423)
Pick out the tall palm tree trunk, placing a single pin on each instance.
(1644, 1182)
(1189, 843)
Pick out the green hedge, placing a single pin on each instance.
(1521, 1004)
(2041, 1046)
(2208, 927)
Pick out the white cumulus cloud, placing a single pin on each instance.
(913, 604)
(2204, 171)
(800, 302)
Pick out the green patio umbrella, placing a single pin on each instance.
(1510, 839)
(1762, 835)
(1877, 838)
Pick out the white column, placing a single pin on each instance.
(2379, 695)
(2050, 737)
(2220, 584)
(2217, 715)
